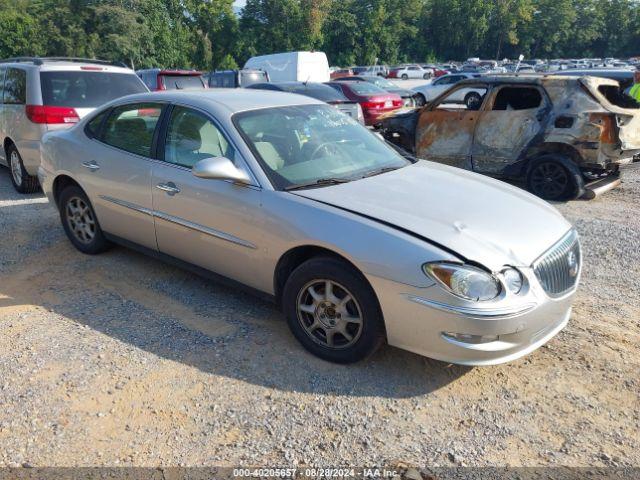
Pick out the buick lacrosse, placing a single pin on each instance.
(289, 197)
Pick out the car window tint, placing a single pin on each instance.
(93, 127)
(192, 137)
(131, 127)
(517, 98)
(15, 86)
(84, 89)
(2, 72)
(182, 82)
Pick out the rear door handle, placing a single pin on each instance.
(168, 187)
(92, 165)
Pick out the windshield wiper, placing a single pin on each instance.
(317, 183)
(379, 171)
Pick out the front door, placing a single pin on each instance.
(209, 223)
(512, 119)
(116, 171)
(445, 130)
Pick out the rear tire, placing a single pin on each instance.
(550, 178)
(332, 310)
(22, 181)
(80, 222)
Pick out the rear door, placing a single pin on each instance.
(116, 171)
(513, 117)
(445, 131)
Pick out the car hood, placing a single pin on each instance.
(479, 218)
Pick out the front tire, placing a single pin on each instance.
(332, 310)
(80, 222)
(22, 181)
(405, 76)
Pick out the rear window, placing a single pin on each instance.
(182, 82)
(320, 92)
(364, 88)
(249, 78)
(80, 89)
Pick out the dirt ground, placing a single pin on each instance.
(119, 359)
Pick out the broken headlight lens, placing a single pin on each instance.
(465, 281)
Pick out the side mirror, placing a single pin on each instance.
(220, 168)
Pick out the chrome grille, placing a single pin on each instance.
(558, 269)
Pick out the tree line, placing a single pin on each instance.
(208, 34)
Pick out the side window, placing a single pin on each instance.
(15, 86)
(131, 127)
(192, 137)
(461, 99)
(93, 127)
(517, 98)
(443, 81)
(2, 72)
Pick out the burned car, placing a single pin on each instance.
(554, 133)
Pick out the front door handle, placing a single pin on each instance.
(168, 187)
(92, 165)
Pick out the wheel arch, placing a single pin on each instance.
(296, 256)
(5, 144)
(61, 182)
(549, 148)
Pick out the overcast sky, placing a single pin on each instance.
(239, 3)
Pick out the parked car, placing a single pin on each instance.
(43, 94)
(551, 132)
(411, 71)
(319, 91)
(341, 72)
(375, 70)
(305, 206)
(157, 79)
(408, 96)
(623, 76)
(292, 66)
(373, 100)
(426, 93)
(236, 78)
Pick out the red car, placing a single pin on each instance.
(343, 72)
(373, 100)
(158, 79)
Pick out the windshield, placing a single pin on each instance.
(80, 89)
(182, 82)
(304, 144)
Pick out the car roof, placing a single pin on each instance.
(231, 100)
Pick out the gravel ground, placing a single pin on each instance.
(120, 359)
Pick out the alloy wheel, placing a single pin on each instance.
(329, 314)
(16, 167)
(80, 220)
(549, 180)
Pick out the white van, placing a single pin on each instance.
(293, 66)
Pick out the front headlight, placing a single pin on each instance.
(465, 281)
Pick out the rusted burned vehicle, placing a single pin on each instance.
(559, 135)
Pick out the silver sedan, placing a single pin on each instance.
(290, 198)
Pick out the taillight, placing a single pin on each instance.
(397, 103)
(51, 115)
(372, 105)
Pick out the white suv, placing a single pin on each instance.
(38, 95)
